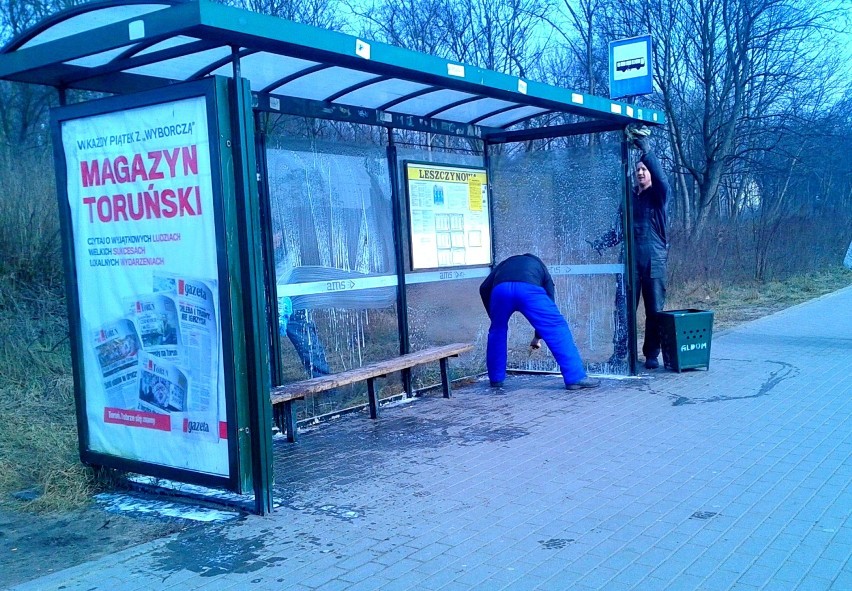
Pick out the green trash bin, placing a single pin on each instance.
(685, 337)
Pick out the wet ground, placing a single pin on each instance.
(736, 477)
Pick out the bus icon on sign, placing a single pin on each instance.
(626, 65)
(631, 67)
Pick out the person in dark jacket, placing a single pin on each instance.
(522, 283)
(650, 224)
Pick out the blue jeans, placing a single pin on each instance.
(302, 332)
(531, 301)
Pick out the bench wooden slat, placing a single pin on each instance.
(283, 396)
(298, 390)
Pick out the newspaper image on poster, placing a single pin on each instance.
(117, 349)
(198, 326)
(448, 216)
(156, 320)
(140, 195)
(163, 387)
(171, 334)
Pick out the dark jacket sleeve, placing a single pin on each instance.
(658, 178)
(485, 292)
(548, 284)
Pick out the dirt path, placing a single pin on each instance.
(32, 546)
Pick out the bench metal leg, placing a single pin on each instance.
(445, 378)
(406, 382)
(374, 400)
(290, 421)
(278, 417)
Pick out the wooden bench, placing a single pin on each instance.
(285, 395)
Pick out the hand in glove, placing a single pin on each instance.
(643, 144)
(638, 136)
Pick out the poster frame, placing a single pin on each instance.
(486, 208)
(214, 92)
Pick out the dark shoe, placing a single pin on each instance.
(584, 383)
(651, 363)
(496, 384)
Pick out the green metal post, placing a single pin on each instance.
(486, 161)
(254, 302)
(629, 267)
(401, 300)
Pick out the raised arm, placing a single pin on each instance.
(658, 177)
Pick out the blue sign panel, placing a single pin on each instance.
(630, 72)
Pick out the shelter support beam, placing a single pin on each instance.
(629, 266)
(541, 133)
(399, 252)
(254, 307)
(364, 115)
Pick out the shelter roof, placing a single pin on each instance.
(129, 46)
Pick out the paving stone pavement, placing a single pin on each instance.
(733, 478)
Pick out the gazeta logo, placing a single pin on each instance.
(195, 426)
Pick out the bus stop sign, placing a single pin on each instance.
(630, 71)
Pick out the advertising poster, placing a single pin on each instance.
(140, 194)
(448, 216)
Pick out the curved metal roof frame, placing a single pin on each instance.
(135, 45)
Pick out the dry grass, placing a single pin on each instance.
(735, 304)
(38, 442)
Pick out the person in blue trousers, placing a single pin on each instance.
(296, 324)
(522, 283)
(302, 332)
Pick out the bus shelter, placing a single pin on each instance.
(245, 200)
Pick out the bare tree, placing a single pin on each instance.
(419, 25)
(16, 16)
(24, 108)
(495, 34)
(726, 72)
(582, 48)
(320, 13)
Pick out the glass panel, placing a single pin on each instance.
(92, 20)
(510, 116)
(473, 110)
(335, 271)
(378, 94)
(99, 59)
(168, 43)
(334, 250)
(549, 203)
(443, 307)
(262, 69)
(425, 104)
(321, 85)
(181, 68)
